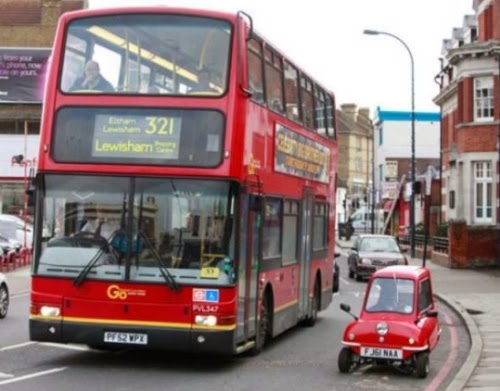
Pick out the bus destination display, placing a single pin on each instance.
(136, 136)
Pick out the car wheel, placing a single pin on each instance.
(351, 272)
(4, 301)
(345, 360)
(336, 284)
(422, 365)
(336, 278)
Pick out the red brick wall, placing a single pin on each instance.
(465, 96)
(477, 138)
(472, 246)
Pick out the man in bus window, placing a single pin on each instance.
(92, 80)
(204, 79)
(104, 223)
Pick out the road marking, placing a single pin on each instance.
(31, 376)
(447, 366)
(19, 295)
(3, 375)
(20, 345)
(63, 346)
(49, 344)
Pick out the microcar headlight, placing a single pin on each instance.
(382, 328)
(205, 320)
(365, 261)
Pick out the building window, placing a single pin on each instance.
(380, 136)
(358, 189)
(452, 199)
(483, 99)
(358, 164)
(359, 143)
(381, 173)
(483, 192)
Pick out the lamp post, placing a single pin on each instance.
(412, 159)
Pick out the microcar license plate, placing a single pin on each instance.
(389, 354)
(129, 338)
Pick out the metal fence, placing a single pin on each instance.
(438, 243)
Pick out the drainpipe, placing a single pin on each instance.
(497, 112)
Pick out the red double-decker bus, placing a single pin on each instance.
(187, 176)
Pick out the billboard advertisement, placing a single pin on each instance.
(22, 74)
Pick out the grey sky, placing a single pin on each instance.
(325, 38)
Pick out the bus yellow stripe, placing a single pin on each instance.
(133, 323)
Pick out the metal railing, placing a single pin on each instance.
(438, 243)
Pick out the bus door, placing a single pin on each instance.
(305, 238)
(250, 242)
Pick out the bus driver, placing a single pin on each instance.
(92, 80)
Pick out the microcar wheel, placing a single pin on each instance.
(345, 360)
(4, 301)
(422, 365)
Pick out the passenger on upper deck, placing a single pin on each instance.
(204, 80)
(92, 80)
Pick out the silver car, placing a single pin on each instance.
(4, 296)
(372, 252)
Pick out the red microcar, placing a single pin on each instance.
(398, 324)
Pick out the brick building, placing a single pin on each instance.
(24, 25)
(469, 100)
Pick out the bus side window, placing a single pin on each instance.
(274, 86)
(254, 70)
(307, 102)
(291, 92)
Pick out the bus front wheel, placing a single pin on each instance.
(263, 326)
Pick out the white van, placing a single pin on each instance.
(361, 220)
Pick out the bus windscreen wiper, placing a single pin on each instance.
(170, 280)
(86, 270)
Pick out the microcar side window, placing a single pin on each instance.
(424, 297)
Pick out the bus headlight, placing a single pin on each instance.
(205, 320)
(48, 310)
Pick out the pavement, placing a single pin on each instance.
(474, 294)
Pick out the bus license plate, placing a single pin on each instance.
(130, 338)
(389, 354)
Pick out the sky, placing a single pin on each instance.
(325, 38)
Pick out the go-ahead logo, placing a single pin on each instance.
(114, 292)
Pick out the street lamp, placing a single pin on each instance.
(412, 159)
